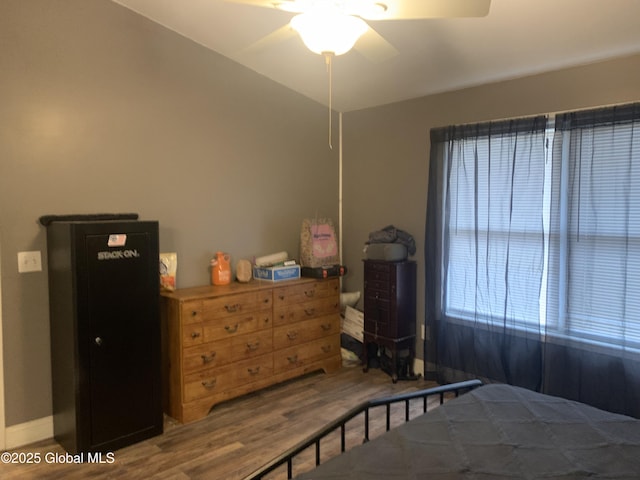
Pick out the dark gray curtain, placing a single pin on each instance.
(593, 305)
(485, 251)
(533, 255)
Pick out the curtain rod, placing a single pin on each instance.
(551, 115)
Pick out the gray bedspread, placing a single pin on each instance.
(497, 432)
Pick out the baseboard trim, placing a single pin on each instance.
(28, 432)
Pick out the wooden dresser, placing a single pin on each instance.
(221, 342)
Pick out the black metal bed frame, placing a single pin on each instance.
(288, 456)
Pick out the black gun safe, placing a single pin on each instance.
(105, 333)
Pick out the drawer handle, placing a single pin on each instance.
(195, 334)
(292, 335)
(208, 358)
(310, 311)
(254, 371)
(281, 297)
(326, 327)
(253, 346)
(194, 313)
(233, 329)
(293, 359)
(210, 384)
(326, 348)
(310, 293)
(232, 308)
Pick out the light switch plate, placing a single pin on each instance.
(29, 261)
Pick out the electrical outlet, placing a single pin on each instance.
(29, 261)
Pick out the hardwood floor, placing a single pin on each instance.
(237, 437)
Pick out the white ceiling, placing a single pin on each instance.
(516, 38)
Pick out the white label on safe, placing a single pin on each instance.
(118, 254)
(117, 240)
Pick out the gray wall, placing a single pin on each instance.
(386, 149)
(102, 110)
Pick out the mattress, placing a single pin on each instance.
(497, 432)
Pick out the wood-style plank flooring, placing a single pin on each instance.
(237, 437)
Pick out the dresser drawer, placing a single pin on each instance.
(372, 267)
(375, 302)
(377, 280)
(224, 307)
(286, 295)
(192, 335)
(207, 355)
(305, 354)
(217, 380)
(305, 311)
(191, 312)
(373, 293)
(199, 333)
(378, 287)
(301, 332)
(223, 352)
(236, 325)
(251, 345)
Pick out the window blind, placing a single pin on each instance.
(595, 235)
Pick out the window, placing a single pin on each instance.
(495, 224)
(532, 252)
(594, 288)
(542, 225)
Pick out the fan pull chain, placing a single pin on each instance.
(328, 57)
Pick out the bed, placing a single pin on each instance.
(494, 431)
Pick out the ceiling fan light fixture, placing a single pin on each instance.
(328, 31)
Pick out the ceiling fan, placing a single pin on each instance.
(335, 26)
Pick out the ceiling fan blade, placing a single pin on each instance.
(288, 5)
(277, 36)
(412, 9)
(256, 3)
(374, 47)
